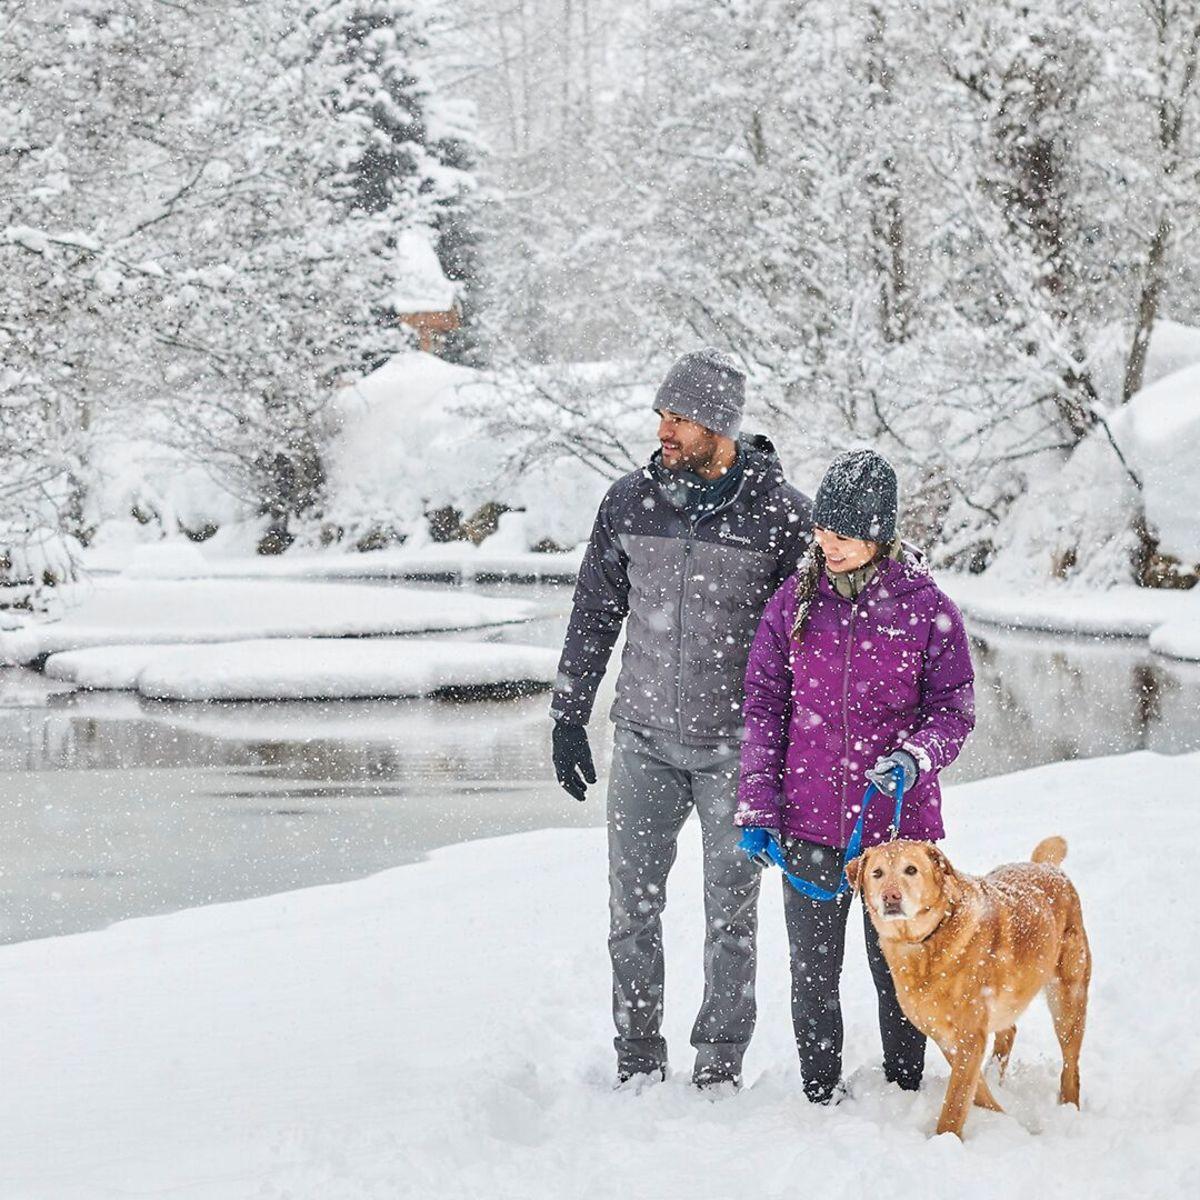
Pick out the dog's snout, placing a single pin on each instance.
(891, 903)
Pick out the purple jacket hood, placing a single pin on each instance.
(890, 670)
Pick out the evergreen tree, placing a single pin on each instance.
(407, 154)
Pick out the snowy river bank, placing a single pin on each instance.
(114, 806)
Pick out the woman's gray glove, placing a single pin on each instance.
(572, 758)
(883, 773)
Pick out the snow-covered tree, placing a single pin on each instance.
(87, 93)
(181, 227)
(1170, 95)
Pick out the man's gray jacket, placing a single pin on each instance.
(693, 592)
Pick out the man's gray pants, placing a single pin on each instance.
(654, 785)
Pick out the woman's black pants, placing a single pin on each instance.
(817, 940)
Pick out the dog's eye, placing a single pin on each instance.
(877, 873)
(910, 869)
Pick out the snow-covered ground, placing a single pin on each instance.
(124, 611)
(304, 668)
(442, 1030)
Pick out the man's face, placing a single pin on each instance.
(686, 446)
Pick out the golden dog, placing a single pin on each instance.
(968, 955)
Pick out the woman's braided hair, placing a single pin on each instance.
(808, 575)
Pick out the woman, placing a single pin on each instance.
(860, 669)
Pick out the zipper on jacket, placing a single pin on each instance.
(845, 765)
(685, 583)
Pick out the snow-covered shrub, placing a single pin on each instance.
(421, 436)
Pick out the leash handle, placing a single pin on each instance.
(811, 890)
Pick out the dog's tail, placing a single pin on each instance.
(1050, 850)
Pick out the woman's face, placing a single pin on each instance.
(843, 553)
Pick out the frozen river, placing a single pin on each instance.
(112, 807)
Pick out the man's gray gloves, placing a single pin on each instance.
(883, 773)
(572, 759)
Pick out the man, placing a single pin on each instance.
(689, 549)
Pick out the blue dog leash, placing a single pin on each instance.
(753, 841)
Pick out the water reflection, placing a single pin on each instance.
(1043, 698)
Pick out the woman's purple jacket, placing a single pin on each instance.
(889, 671)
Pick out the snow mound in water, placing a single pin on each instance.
(305, 668)
(167, 560)
(1180, 637)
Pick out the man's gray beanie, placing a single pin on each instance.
(858, 497)
(707, 387)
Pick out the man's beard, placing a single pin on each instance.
(696, 462)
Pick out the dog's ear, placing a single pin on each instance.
(941, 862)
(854, 871)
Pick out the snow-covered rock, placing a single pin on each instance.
(1159, 431)
(110, 668)
(1077, 520)
(1173, 346)
(304, 668)
(398, 1037)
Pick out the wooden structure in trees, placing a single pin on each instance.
(424, 299)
